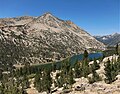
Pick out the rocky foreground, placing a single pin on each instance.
(81, 86)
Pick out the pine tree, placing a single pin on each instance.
(85, 65)
(21, 73)
(85, 55)
(118, 64)
(85, 68)
(60, 81)
(95, 65)
(25, 81)
(117, 48)
(107, 69)
(27, 67)
(2, 87)
(65, 77)
(70, 77)
(95, 77)
(53, 66)
(114, 69)
(110, 72)
(38, 82)
(1, 75)
(77, 70)
(47, 80)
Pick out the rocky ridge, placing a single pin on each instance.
(110, 40)
(47, 37)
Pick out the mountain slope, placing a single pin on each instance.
(109, 40)
(47, 37)
(54, 25)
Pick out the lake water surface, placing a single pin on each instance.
(73, 60)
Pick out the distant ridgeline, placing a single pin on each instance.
(109, 40)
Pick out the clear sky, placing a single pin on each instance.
(97, 17)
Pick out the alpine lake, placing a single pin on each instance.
(72, 60)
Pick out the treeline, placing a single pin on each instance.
(14, 85)
(65, 76)
(18, 79)
(110, 50)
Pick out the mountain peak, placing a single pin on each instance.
(114, 34)
(50, 34)
(110, 40)
(47, 14)
(46, 17)
(48, 20)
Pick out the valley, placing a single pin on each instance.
(48, 55)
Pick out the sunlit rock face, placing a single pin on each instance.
(47, 36)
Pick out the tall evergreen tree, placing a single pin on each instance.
(85, 68)
(1, 74)
(107, 69)
(2, 87)
(47, 80)
(85, 55)
(110, 72)
(38, 82)
(95, 77)
(59, 80)
(25, 82)
(77, 70)
(117, 49)
(85, 65)
(70, 78)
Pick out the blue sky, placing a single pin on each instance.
(97, 17)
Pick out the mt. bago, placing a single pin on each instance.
(47, 37)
